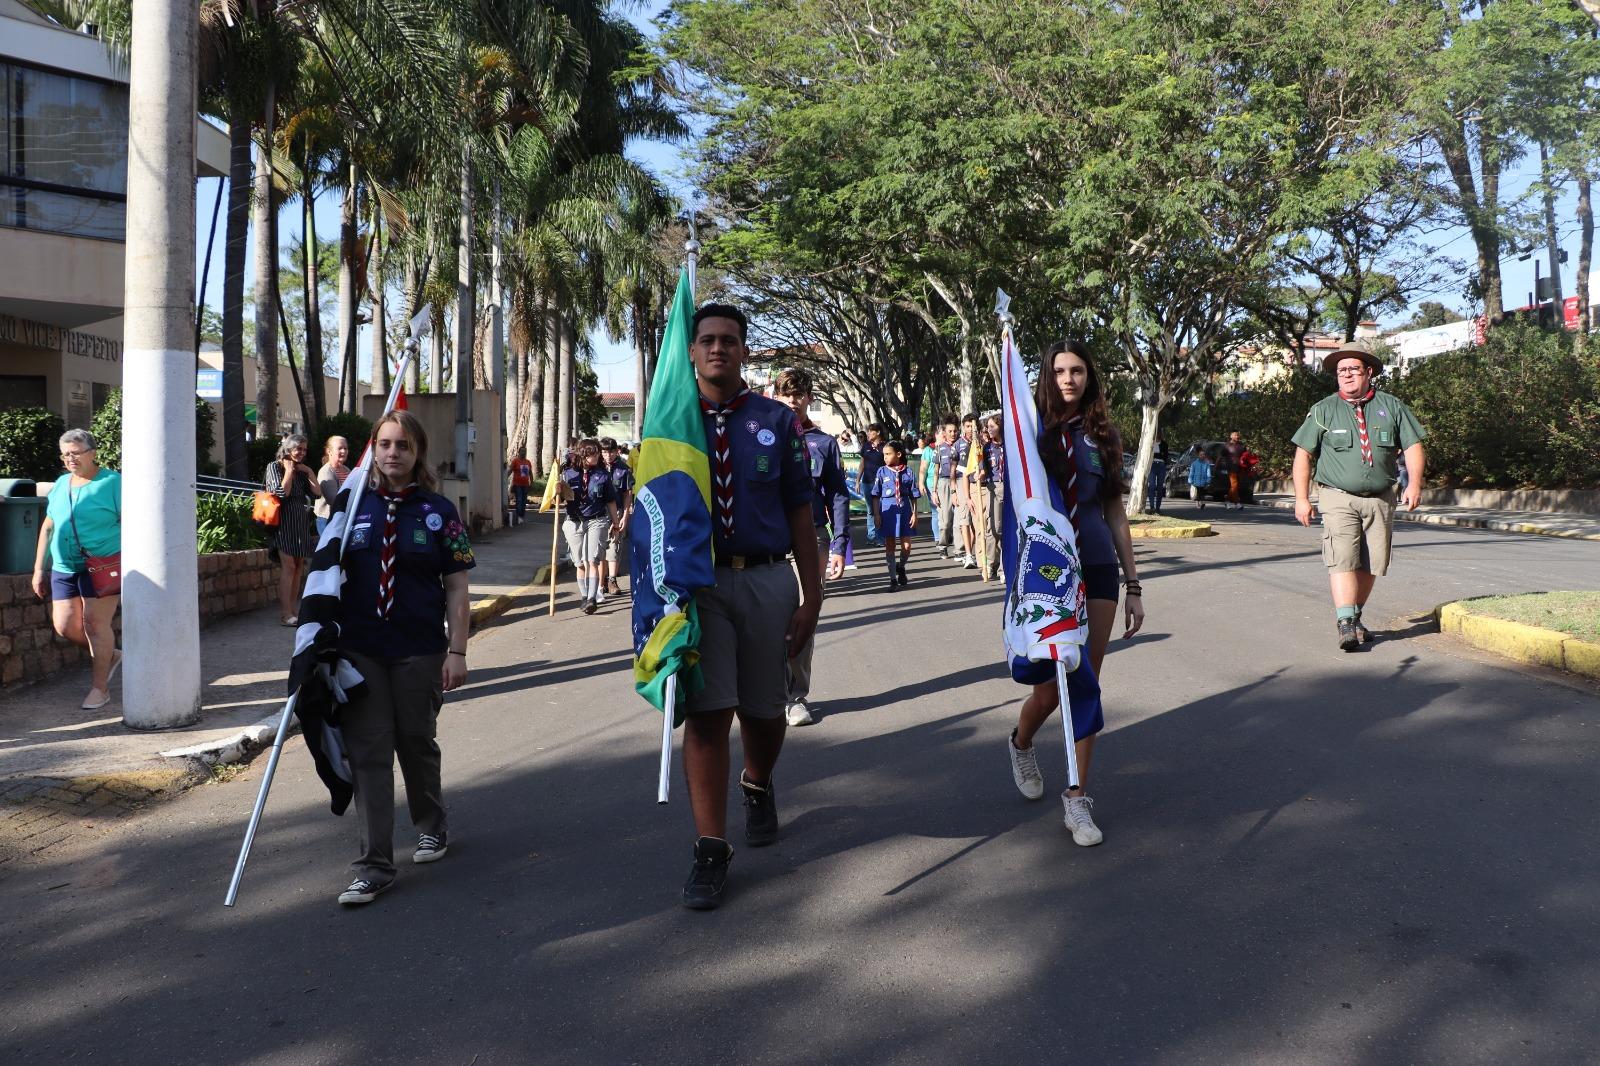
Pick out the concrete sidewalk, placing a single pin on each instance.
(1541, 523)
(64, 769)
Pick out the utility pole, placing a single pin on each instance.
(160, 583)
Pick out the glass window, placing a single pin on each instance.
(61, 134)
(21, 390)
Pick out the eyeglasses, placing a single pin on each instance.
(67, 457)
(1351, 370)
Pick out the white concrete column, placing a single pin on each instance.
(160, 571)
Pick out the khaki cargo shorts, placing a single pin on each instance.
(744, 619)
(1356, 530)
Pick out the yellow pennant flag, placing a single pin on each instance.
(548, 502)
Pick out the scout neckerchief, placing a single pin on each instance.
(722, 460)
(1070, 489)
(386, 558)
(899, 474)
(1360, 407)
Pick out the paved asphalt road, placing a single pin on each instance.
(1384, 857)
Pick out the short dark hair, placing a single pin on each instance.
(875, 427)
(896, 445)
(949, 419)
(608, 444)
(969, 417)
(720, 311)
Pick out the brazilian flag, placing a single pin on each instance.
(670, 531)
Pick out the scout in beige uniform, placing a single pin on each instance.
(1353, 440)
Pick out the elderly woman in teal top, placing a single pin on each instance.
(84, 514)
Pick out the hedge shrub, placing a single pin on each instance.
(107, 429)
(222, 523)
(349, 425)
(30, 444)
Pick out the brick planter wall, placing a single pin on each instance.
(230, 582)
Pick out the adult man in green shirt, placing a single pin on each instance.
(1353, 440)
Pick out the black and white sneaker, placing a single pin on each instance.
(703, 890)
(760, 812)
(430, 848)
(363, 891)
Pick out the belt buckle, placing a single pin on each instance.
(736, 562)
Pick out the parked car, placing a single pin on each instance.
(1178, 472)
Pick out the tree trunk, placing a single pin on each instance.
(266, 277)
(535, 392)
(641, 359)
(1479, 214)
(497, 320)
(551, 348)
(466, 318)
(564, 379)
(1585, 256)
(1149, 420)
(348, 304)
(234, 462)
(313, 303)
(436, 350)
(380, 377)
(1552, 242)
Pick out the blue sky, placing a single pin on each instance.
(615, 363)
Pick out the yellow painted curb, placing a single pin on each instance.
(495, 606)
(1523, 643)
(1189, 532)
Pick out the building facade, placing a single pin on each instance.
(63, 203)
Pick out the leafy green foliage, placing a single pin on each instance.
(30, 444)
(222, 523)
(590, 412)
(1521, 409)
(1266, 417)
(354, 428)
(106, 425)
(259, 455)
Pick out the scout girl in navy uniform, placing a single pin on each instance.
(1082, 453)
(591, 497)
(404, 621)
(895, 486)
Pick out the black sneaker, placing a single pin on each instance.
(430, 848)
(703, 890)
(760, 813)
(1349, 639)
(589, 606)
(362, 891)
(900, 572)
(894, 583)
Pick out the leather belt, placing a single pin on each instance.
(745, 562)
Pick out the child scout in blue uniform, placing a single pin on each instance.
(591, 497)
(622, 489)
(757, 615)
(830, 509)
(405, 577)
(895, 488)
(945, 466)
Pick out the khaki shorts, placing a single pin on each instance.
(614, 551)
(586, 539)
(743, 655)
(1356, 530)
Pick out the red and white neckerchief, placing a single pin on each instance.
(386, 558)
(899, 475)
(1360, 408)
(722, 461)
(1070, 489)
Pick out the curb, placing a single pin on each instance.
(1496, 525)
(495, 606)
(1187, 532)
(1522, 643)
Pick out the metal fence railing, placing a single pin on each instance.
(206, 484)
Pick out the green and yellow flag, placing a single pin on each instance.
(670, 532)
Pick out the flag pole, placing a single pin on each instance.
(669, 710)
(354, 501)
(555, 540)
(1066, 723)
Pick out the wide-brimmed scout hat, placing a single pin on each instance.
(1365, 349)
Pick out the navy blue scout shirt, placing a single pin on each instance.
(994, 464)
(1095, 546)
(871, 463)
(430, 542)
(963, 449)
(591, 488)
(621, 481)
(831, 504)
(944, 457)
(770, 477)
(883, 486)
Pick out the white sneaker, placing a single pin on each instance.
(1085, 833)
(798, 713)
(1025, 769)
(600, 597)
(968, 563)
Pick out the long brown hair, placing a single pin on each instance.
(411, 426)
(1096, 414)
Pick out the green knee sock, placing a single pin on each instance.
(1342, 613)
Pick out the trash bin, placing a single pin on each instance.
(21, 515)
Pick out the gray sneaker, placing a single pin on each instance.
(1085, 833)
(797, 713)
(1025, 769)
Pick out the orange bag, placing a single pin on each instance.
(266, 509)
